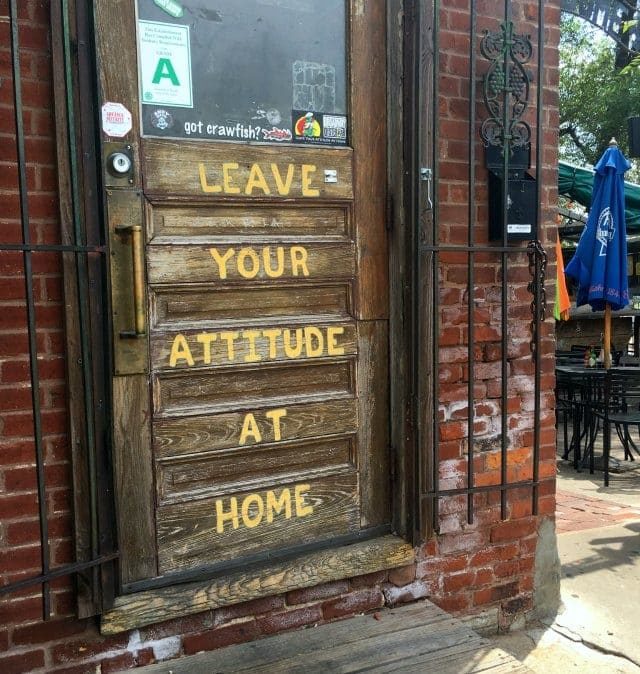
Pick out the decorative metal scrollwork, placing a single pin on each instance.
(506, 84)
(537, 269)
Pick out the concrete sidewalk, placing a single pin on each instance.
(599, 546)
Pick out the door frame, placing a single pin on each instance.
(412, 125)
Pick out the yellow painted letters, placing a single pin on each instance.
(255, 345)
(204, 184)
(289, 350)
(276, 505)
(249, 263)
(302, 510)
(311, 333)
(222, 260)
(272, 335)
(332, 347)
(274, 417)
(222, 516)
(205, 339)
(180, 351)
(266, 258)
(251, 272)
(252, 520)
(299, 257)
(256, 179)
(250, 427)
(230, 338)
(250, 336)
(226, 178)
(258, 508)
(307, 190)
(283, 188)
(265, 178)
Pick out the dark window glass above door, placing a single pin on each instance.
(256, 70)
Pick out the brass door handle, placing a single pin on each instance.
(137, 259)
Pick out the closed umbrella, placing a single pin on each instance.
(562, 303)
(600, 261)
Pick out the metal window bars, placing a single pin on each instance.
(504, 126)
(83, 257)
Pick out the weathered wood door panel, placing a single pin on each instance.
(259, 260)
(265, 340)
(194, 533)
(271, 172)
(190, 435)
(171, 304)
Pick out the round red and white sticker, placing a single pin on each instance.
(116, 120)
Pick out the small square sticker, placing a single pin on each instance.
(334, 127)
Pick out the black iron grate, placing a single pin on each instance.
(86, 257)
(428, 251)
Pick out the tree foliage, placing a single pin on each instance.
(596, 97)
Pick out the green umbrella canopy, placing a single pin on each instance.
(577, 184)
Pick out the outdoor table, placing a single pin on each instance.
(586, 394)
(593, 371)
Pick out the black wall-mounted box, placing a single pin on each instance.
(522, 213)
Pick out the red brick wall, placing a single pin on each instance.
(490, 561)
(488, 564)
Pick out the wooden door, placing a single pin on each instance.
(246, 215)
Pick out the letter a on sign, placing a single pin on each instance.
(165, 69)
(165, 64)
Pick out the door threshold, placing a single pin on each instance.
(322, 566)
(259, 560)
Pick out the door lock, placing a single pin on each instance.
(119, 164)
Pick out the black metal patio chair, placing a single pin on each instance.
(621, 410)
(569, 411)
(592, 402)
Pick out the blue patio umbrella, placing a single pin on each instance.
(600, 261)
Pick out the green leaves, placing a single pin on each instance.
(633, 65)
(595, 98)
